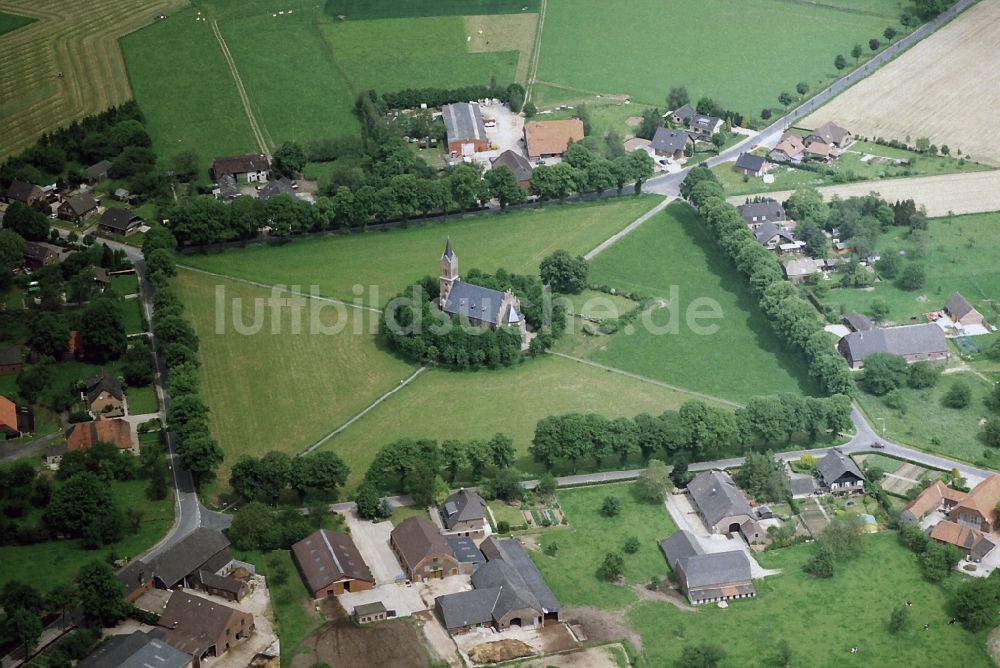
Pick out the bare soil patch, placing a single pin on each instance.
(500, 650)
(602, 625)
(339, 642)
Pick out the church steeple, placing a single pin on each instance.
(449, 272)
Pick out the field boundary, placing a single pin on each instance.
(536, 54)
(244, 97)
(631, 227)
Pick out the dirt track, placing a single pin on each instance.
(974, 192)
(943, 89)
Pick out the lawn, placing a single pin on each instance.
(594, 305)
(674, 251)
(503, 512)
(925, 423)
(180, 79)
(142, 400)
(132, 315)
(281, 391)
(572, 573)
(443, 405)
(959, 255)
(9, 22)
(822, 619)
(402, 513)
(63, 558)
(125, 284)
(391, 260)
(595, 45)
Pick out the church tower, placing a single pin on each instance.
(449, 272)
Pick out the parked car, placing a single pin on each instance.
(878, 446)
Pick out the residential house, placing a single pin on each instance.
(483, 307)
(839, 473)
(914, 343)
(972, 542)
(331, 564)
(963, 313)
(422, 550)
(23, 192)
(123, 195)
(720, 503)
(507, 591)
(104, 395)
(756, 214)
(670, 143)
(119, 221)
(201, 627)
(178, 566)
(702, 127)
(250, 168)
(936, 496)
(770, 236)
(38, 254)
(978, 509)
(857, 322)
(708, 578)
(367, 613)
(682, 115)
(463, 123)
(11, 360)
(226, 189)
(549, 139)
(818, 150)
(282, 186)
(138, 649)
(830, 134)
(15, 420)
(789, 148)
(83, 435)
(98, 171)
(800, 269)
(752, 165)
(77, 208)
(464, 512)
(518, 164)
(102, 278)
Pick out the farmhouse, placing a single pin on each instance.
(518, 164)
(464, 512)
(136, 650)
(103, 394)
(936, 496)
(119, 221)
(83, 435)
(789, 148)
(707, 578)
(226, 188)
(282, 186)
(770, 236)
(23, 192)
(77, 208)
(38, 254)
(839, 473)
(857, 322)
(15, 420)
(670, 143)
(702, 127)
(549, 139)
(180, 565)
(978, 509)
(972, 542)
(964, 313)
(830, 134)
(98, 171)
(11, 360)
(483, 307)
(756, 214)
(752, 165)
(422, 550)
(463, 123)
(250, 168)
(720, 503)
(682, 115)
(913, 343)
(202, 627)
(331, 564)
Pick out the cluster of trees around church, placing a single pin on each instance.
(413, 325)
(793, 318)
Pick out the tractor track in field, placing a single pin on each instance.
(241, 89)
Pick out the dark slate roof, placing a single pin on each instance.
(958, 306)
(750, 161)
(39, 250)
(907, 340)
(463, 121)
(187, 556)
(465, 550)
(803, 485)
(369, 608)
(668, 141)
(222, 583)
(240, 164)
(468, 608)
(680, 545)
(98, 168)
(717, 568)
(101, 382)
(703, 123)
(491, 548)
(101, 275)
(518, 164)
(474, 301)
(449, 252)
(81, 203)
(282, 186)
(194, 623)
(326, 557)
(717, 496)
(463, 506)
(835, 465)
(119, 219)
(135, 650)
(515, 555)
(11, 355)
(765, 232)
(20, 190)
(982, 547)
(858, 322)
(227, 187)
(762, 211)
(685, 112)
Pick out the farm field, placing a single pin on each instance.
(675, 250)
(426, 408)
(10, 22)
(354, 10)
(853, 608)
(391, 260)
(572, 573)
(589, 45)
(960, 255)
(78, 40)
(310, 384)
(893, 102)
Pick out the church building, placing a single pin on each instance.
(482, 306)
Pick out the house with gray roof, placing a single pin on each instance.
(119, 221)
(682, 115)
(839, 473)
(962, 312)
(179, 565)
(720, 503)
(98, 171)
(24, 192)
(755, 214)
(464, 512)
(858, 322)
(770, 236)
(77, 208)
(708, 577)
(702, 127)
(463, 123)
(465, 551)
(136, 650)
(282, 186)
(668, 143)
(914, 343)
(752, 165)
(226, 189)
(517, 163)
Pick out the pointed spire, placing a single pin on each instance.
(448, 252)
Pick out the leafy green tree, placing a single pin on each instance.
(139, 366)
(103, 331)
(654, 482)
(631, 545)
(938, 560)
(11, 249)
(200, 454)
(101, 596)
(840, 62)
(550, 182)
(254, 528)
(530, 110)
(785, 98)
(843, 537)
(17, 595)
(802, 88)
(899, 619)
(504, 187)
(763, 477)
(677, 98)
(889, 33)
(467, 187)
(454, 456)
(879, 309)
(24, 626)
(504, 485)
(959, 395)
(975, 603)
(611, 506)
(161, 260)
(923, 375)
(641, 167)
(991, 431)
(888, 265)
(874, 44)
(49, 335)
(565, 273)
(547, 485)
(700, 656)
(612, 567)
(502, 451)
(651, 121)
(83, 507)
(912, 277)
(856, 52)
(884, 372)
(26, 222)
(369, 503)
(185, 165)
(288, 160)
(822, 563)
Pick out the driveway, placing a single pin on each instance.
(404, 599)
(372, 539)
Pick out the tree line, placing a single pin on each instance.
(793, 318)
(266, 478)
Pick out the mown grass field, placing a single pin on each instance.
(10, 22)
(572, 572)
(354, 10)
(393, 259)
(281, 391)
(741, 359)
(821, 619)
(601, 46)
(960, 254)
